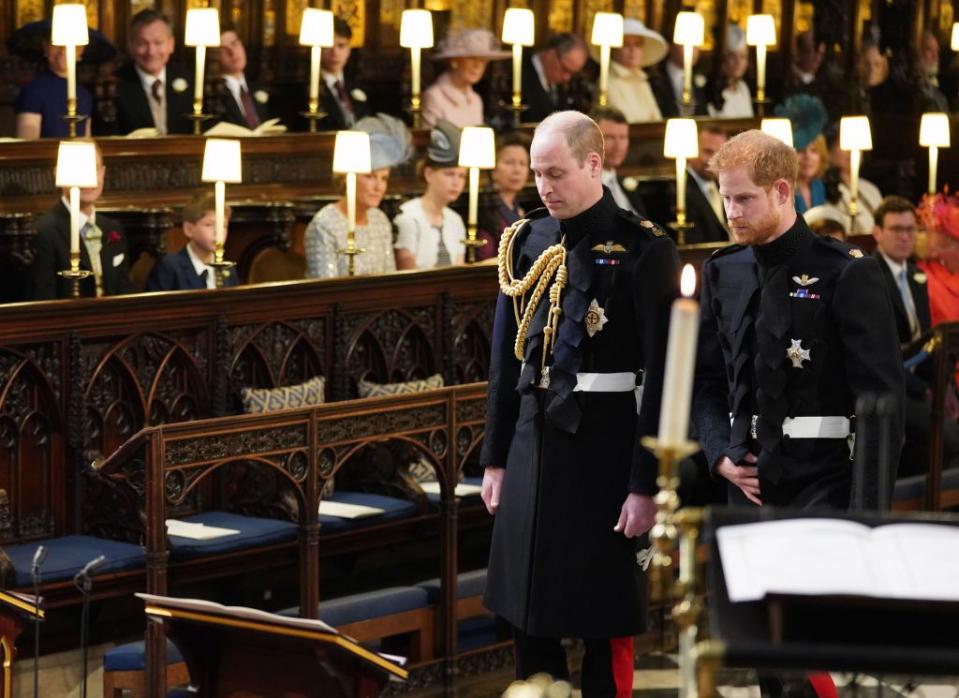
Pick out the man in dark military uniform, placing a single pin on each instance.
(795, 328)
(587, 289)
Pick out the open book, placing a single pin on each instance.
(267, 128)
(815, 557)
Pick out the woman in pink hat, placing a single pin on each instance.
(452, 96)
(940, 216)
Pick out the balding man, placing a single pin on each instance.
(566, 476)
(548, 72)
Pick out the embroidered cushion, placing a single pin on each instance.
(368, 389)
(258, 400)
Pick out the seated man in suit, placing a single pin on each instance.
(240, 104)
(190, 267)
(150, 91)
(103, 248)
(704, 205)
(667, 84)
(612, 122)
(342, 98)
(547, 73)
(895, 233)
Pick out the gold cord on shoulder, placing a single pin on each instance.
(552, 262)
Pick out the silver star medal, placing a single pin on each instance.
(595, 318)
(797, 354)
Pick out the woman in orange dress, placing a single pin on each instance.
(940, 215)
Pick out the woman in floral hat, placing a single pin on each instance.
(940, 216)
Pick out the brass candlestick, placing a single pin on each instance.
(352, 250)
(221, 268)
(72, 118)
(313, 115)
(472, 243)
(75, 274)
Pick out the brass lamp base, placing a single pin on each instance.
(222, 270)
(352, 252)
(518, 110)
(313, 117)
(75, 276)
(198, 119)
(681, 228)
(472, 244)
(72, 121)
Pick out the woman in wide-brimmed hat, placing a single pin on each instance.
(452, 96)
(629, 88)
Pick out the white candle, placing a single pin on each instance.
(680, 361)
(855, 157)
(680, 190)
(71, 76)
(314, 74)
(933, 167)
(198, 86)
(761, 72)
(74, 221)
(415, 70)
(517, 74)
(351, 202)
(219, 189)
(603, 75)
(687, 73)
(474, 196)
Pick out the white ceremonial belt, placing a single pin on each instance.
(816, 427)
(605, 382)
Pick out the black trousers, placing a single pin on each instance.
(607, 664)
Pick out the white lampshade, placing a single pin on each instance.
(416, 29)
(221, 161)
(779, 128)
(478, 147)
(69, 26)
(690, 29)
(760, 30)
(934, 130)
(854, 133)
(682, 139)
(608, 29)
(76, 164)
(316, 27)
(955, 36)
(519, 26)
(202, 27)
(351, 152)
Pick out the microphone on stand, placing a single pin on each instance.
(38, 557)
(83, 582)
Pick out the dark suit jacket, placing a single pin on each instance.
(52, 254)
(133, 109)
(668, 100)
(635, 198)
(232, 111)
(335, 119)
(707, 228)
(175, 272)
(538, 101)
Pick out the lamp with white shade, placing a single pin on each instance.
(607, 33)
(854, 136)
(221, 165)
(778, 128)
(477, 152)
(202, 30)
(316, 31)
(518, 30)
(689, 32)
(351, 156)
(955, 36)
(761, 33)
(76, 169)
(416, 33)
(681, 143)
(934, 134)
(70, 30)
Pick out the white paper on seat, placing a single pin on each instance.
(836, 557)
(463, 489)
(343, 510)
(225, 128)
(145, 132)
(196, 530)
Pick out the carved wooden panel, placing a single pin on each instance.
(472, 333)
(390, 346)
(277, 353)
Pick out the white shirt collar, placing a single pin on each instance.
(895, 267)
(81, 216)
(200, 267)
(235, 83)
(540, 72)
(331, 79)
(147, 80)
(699, 180)
(608, 176)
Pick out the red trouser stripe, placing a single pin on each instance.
(621, 650)
(823, 685)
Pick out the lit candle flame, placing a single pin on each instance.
(687, 281)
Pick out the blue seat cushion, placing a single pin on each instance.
(474, 633)
(68, 554)
(467, 584)
(368, 606)
(914, 487)
(469, 499)
(130, 657)
(253, 532)
(393, 508)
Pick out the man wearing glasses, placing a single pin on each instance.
(547, 73)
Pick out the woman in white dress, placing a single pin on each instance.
(629, 88)
(731, 96)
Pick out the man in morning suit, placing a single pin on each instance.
(239, 104)
(704, 205)
(612, 122)
(342, 98)
(150, 91)
(547, 73)
(895, 232)
(566, 476)
(190, 267)
(795, 327)
(103, 248)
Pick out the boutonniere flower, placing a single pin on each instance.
(114, 236)
(700, 80)
(180, 85)
(630, 183)
(261, 96)
(919, 277)
(358, 95)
